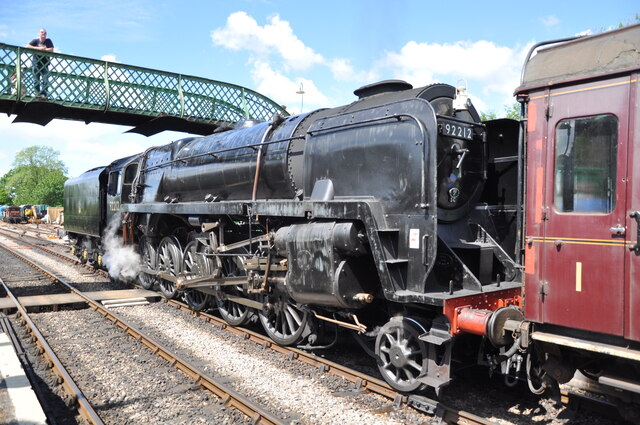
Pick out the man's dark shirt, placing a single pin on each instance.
(41, 61)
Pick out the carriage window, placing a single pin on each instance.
(585, 164)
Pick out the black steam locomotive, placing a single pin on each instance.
(405, 219)
(373, 216)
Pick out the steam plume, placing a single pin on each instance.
(123, 262)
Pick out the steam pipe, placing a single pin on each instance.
(277, 119)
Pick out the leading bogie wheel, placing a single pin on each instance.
(402, 356)
(169, 260)
(194, 265)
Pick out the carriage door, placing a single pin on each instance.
(585, 207)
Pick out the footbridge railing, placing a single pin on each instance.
(39, 86)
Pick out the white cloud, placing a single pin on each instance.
(584, 33)
(550, 20)
(242, 32)
(277, 57)
(343, 71)
(81, 146)
(487, 69)
(110, 58)
(276, 85)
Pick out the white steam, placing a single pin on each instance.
(122, 261)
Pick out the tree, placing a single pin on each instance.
(5, 192)
(511, 112)
(50, 190)
(38, 177)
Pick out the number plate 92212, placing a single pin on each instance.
(454, 129)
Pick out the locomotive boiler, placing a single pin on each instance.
(373, 216)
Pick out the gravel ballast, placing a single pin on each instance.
(291, 389)
(122, 379)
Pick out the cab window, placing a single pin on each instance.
(114, 183)
(130, 173)
(585, 164)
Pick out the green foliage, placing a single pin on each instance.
(488, 116)
(50, 190)
(5, 193)
(510, 111)
(37, 177)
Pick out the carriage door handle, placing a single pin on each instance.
(618, 230)
(636, 247)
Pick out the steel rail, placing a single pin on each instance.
(361, 380)
(230, 397)
(38, 388)
(73, 391)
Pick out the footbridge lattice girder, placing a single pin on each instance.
(92, 90)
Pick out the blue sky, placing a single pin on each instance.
(331, 47)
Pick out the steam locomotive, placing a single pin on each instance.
(404, 218)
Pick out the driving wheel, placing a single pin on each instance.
(147, 261)
(233, 313)
(283, 321)
(169, 261)
(195, 265)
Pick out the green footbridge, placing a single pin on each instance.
(148, 100)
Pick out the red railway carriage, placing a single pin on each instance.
(582, 232)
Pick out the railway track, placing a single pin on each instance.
(359, 381)
(255, 413)
(76, 397)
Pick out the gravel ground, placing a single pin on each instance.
(123, 380)
(291, 389)
(24, 280)
(109, 350)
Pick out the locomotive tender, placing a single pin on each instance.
(405, 218)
